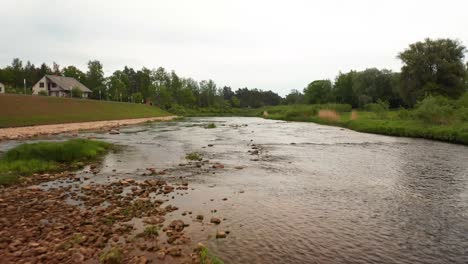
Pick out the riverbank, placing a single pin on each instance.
(41, 130)
(434, 118)
(28, 110)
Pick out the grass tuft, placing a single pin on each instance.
(210, 125)
(193, 156)
(206, 257)
(111, 256)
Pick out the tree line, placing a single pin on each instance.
(430, 67)
(157, 86)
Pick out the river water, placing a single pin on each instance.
(313, 193)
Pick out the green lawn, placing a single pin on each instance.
(26, 110)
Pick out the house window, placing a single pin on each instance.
(54, 85)
(41, 84)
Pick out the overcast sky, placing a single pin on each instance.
(270, 45)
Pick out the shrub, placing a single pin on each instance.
(435, 110)
(404, 114)
(42, 93)
(76, 92)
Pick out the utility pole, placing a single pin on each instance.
(24, 81)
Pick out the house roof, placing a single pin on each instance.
(68, 83)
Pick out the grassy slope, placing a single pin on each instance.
(21, 110)
(390, 124)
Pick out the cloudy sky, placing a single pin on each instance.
(270, 45)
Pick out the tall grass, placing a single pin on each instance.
(42, 157)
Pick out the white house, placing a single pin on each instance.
(2, 88)
(59, 86)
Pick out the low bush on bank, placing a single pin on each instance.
(43, 157)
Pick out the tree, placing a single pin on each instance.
(318, 92)
(235, 101)
(74, 72)
(56, 69)
(343, 89)
(95, 78)
(372, 85)
(294, 97)
(432, 67)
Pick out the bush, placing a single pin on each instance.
(76, 92)
(435, 110)
(380, 108)
(42, 93)
(404, 114)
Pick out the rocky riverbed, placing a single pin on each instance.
(68, 218)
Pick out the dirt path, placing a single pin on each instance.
(31, 131)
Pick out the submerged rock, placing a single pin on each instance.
(215, 220)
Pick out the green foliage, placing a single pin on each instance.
(43, 157)
(432, 67)
(372, 85)
(435, 118)
(42, 93)
(210, 125)
(302, 112)
(150, 231)
(235, 102)
(294, 97)
(435, 110)
(68, 151)
(343, 89)
(137, 98)
(111, 256)
(74, 72)
(95, 77)
(380, 108)
(193, 156)
(76, 92)
(318, 92)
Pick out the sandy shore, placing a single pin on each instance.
(31, 131)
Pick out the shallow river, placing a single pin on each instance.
(313, 194)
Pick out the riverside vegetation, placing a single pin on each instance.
(436, 118)
(42, 157)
